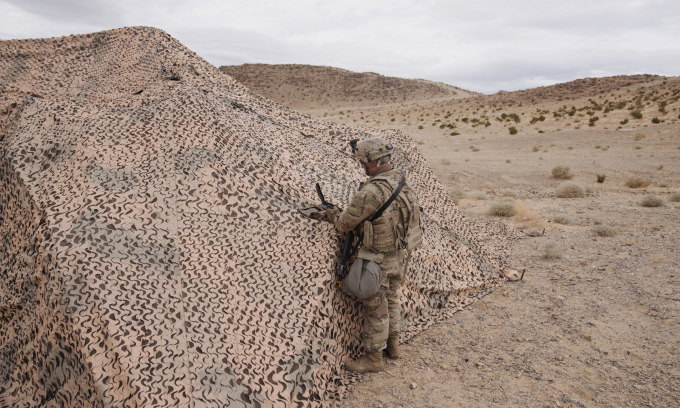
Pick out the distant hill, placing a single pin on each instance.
(306, 86)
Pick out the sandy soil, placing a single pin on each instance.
(596, 326)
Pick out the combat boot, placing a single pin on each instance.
(371, 362)
(393, 347)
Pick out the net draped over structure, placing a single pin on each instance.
(151, 252)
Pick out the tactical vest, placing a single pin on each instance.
(399, 226)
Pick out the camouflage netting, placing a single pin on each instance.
(151, 253)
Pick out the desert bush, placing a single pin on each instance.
(636, 114)
(656, 120)
(651, 201)
(508, 193)
(623, 122)
(552, 250)
(512, 130)
(600, 178)
(564, 220)
(456, 195)
(604, 231)
(675, 197)
(478, 195)
(446, 162)
(640, 136)
(592, 121)
(562, 173)
(420, 126)
(638, 182)
(569, 189)
(536, 149)
(503, 208)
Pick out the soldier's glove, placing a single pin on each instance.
(320, 212)
(330, 214)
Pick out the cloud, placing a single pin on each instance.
(484, 45)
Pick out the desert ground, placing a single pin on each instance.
(595, 320)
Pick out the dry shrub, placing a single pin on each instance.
(503, 208)
(509, 193)
(457, 195)
(651, 201)
(525, 217)
(562, 173)
(675, 197)
(604, 231)
(569, 189)
(638, 182)
(552, 250)
(478, 195)
(564, 220)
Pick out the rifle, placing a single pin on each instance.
(348, 247)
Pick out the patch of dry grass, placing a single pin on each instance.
(564, 220)
(552, 251)
(562, 173)
(526, 217)
(604, 231)
(675, 198)
(503, 208)
(638, 182)
(478, 195)
(651, 201)
(569, 189)
(456, 195)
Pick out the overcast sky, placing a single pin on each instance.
(480, 45)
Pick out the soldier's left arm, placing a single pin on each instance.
(364, 204)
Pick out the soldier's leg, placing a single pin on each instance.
(376, 322)
(394, 306)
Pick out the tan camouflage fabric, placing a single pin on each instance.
(151, 253)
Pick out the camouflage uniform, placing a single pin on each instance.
(382, 311)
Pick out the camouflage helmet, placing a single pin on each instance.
(371, 149)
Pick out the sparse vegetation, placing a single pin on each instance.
(478, 195)
(675, 198)
(503, 208)
(600, 178)
(656, 120)
(512, 130)
(604, 231)
(457, 195)
(552, 251)
(636, 114)
(569, 189)
(638, 182)
(562, 173)
(651, 201)
(564, 220)
(509, 193)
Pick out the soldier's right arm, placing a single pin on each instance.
(364, 204)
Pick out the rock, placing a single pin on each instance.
(512, 274)
(413, 386)
(629, 242)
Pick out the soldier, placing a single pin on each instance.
(387, 246)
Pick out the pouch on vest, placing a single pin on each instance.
(363, 280)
